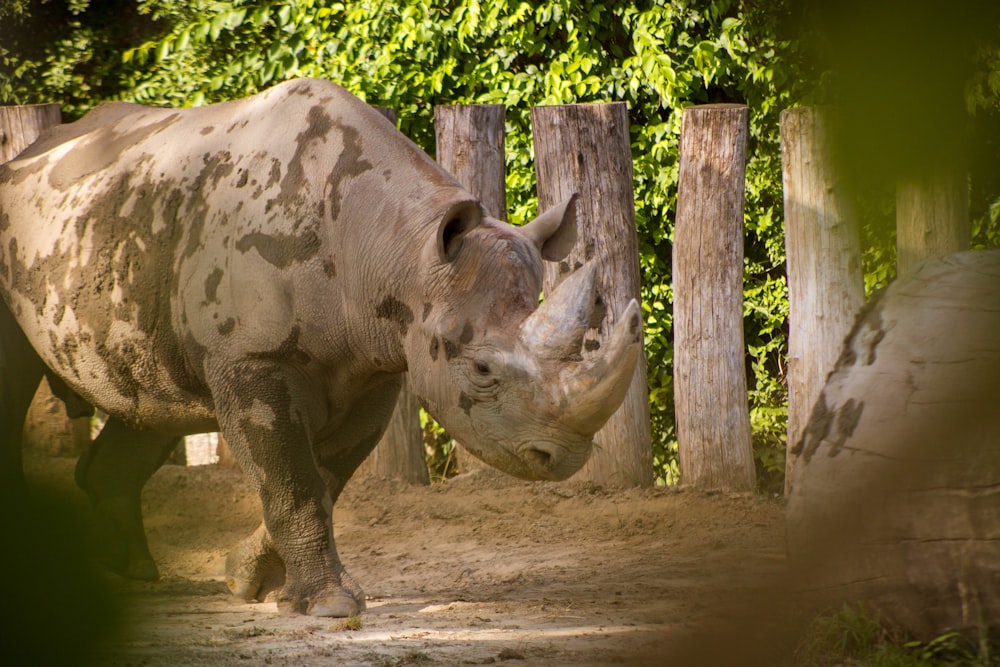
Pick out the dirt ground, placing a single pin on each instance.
(481, 569)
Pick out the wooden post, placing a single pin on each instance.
(20, 126)
(825, 282)
(710, 396)
(585, 148)
(470, 146)
(400, 452)
(46, 423)
(932, 216)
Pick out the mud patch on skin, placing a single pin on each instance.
(464, 402)
(867, 333)
(451, 349)
(349, 165)
(100, 149)
(212, 285)
(848, 417)
(281, 250)
(289, 350)
(394, 310)
(833, 426)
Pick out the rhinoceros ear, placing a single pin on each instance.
(554, 232)
(460, 219)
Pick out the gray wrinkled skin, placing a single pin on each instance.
(269, 267)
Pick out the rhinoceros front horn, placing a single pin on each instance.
(591, 388)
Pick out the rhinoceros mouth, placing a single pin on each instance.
(552, 461)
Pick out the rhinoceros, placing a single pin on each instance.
(269, 267)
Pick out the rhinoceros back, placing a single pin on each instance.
(119, 228)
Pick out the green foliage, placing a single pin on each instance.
(439, 449)
(856, 636)
(410, 55)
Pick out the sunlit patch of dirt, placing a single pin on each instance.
(482, 569)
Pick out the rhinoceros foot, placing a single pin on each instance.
(336, 603)
(340, 598)
(255, 571)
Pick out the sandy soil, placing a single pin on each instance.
(482, 569)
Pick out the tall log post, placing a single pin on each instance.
(710, 395)
(932, 216)
(20, 126)
(470, 146)
(825, 282)
(585, 148)
(400, 452)
(46, 425)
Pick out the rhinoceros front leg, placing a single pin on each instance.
(254, 568)
(269, 414)
(113, 472)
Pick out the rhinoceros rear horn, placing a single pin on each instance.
(554, 232)
(459, 220)
(556, 329)
(595, 388)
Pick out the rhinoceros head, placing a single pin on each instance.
(504, 375)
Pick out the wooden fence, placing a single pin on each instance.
(823, 265)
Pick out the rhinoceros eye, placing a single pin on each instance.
(482, 368)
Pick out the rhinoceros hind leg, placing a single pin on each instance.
(20, 372)
(113, 472)
(254, 570)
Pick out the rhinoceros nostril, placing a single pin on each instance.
(538, 456)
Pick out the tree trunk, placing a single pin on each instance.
(470, 140)
(710, 396)
(400, 452)
(585, 148)
(894, 492)
(825, 283)
(470, 146)
(46, 424)
(932, 216)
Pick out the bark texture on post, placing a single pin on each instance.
(46, 425)
(710, 395)
(894, 492)
(585, 148)
(825, 282)
(20, 126)
(470, 140)
(400, 452)
(932, 217)
(470, 147)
